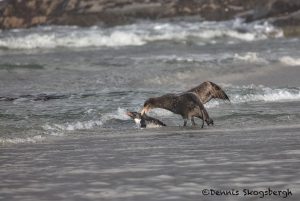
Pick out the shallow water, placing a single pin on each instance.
(59, 79)
(65, 85)
(167, 164)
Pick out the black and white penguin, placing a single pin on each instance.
(145, 121)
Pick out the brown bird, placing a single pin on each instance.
(187, 104)
(190, 103)
(208, 90)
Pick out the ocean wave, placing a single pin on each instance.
(290, 61)
(237, 95)
(253, 93)
(77, 38)
(136, 34)
(59, 129)
(160, 112)
(193, 58)
(245, 94)
(250, 57)
(120, 114)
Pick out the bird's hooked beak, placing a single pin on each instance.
(145, 109)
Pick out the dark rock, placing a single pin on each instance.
(290, 24)
(28, 13)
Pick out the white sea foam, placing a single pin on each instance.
(77, 38)
(237, 95)
(136, 34)
(260, 93)
(212, 103)
(160, 112)
(250, 57)
(34, 139)
(269, 96)
(120, 114)
(57, 129)
(290, 61)
(193, 58)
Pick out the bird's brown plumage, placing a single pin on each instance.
(187, 104)
(208, 90)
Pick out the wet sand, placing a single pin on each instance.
(160, 164)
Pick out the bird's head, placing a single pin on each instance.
(148, 105)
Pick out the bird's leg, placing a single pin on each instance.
(184, 122)
(203, 118)
(193, 121)
(209, 122)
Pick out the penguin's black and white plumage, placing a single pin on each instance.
(145, 121)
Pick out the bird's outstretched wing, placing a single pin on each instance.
(208, 90)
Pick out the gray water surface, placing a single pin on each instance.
(165, 164)
(64, 93)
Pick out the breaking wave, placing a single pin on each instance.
(138, 34)
(59, 129)
(250, 57)
(290, 61)
(245, 94)
(261, 93)
(118, 118)
(54, 129)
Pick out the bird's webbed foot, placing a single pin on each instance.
(210, 122)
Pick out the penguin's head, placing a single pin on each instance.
(137, 117)
(134, 115)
